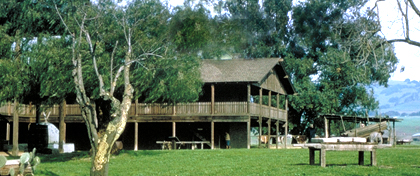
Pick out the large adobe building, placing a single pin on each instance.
(226, 105)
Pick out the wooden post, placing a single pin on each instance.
(269, 119)
(248, 98)
(260, 102)
(326, 127)
(323, 157)
(62, 126)
(136, 136)
(269, 132)
(259, 130)
(173, 135)
(212, 99)
(173, 129)
(15, 149)
(277, 122)
(286, 128)
(8, 132)
(248, 126)
(373, 157)
(212, 135)
(260, 119)
(136, 109)
(277, 133)
(9, 108)
(394, 134)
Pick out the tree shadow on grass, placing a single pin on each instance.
(49, 173)
(63, 157)
(49, 158)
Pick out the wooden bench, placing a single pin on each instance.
(348, 146)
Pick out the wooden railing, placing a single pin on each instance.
(180, 109)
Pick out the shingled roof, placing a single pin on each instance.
(244, 70)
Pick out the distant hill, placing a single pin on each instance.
(400, 98)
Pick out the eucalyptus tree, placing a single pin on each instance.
(335, 54)
(118, 54)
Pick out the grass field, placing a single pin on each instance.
(402, 160)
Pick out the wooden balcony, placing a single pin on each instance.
(147, 110)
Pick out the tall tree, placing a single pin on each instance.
(334, 58)
(118, 53)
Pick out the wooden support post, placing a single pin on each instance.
(259, 130)
(136, 108)
(277, 134)
(212, 99)
(173, 129)
(326, 127)
(260, 119)
(260, 101)
(269, 132)
(286, 128)
(394, 134)
(361, 158)
(248, 126)
(248, 98)
(136, 136)
(323, 157)
(9, 108)
(277, 122)
(62, 126)
(15, 149)
(373, 157)
(173, 135)
(8, 132)
(212, 135)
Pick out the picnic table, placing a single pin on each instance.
(164, 143)
(341, 146)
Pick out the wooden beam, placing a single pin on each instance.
(136, 136)
(248, 98)
(212, 99)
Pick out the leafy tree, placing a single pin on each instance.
(118, 54)
(335, 56)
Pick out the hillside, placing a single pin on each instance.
(399, 98)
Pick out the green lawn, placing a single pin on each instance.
(403, 160)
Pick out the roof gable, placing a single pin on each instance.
(267, 73)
